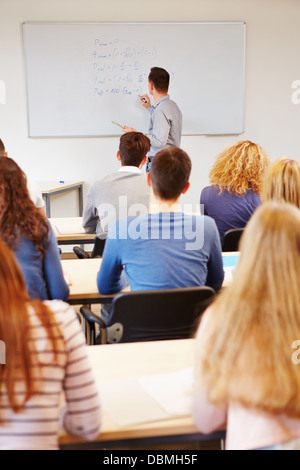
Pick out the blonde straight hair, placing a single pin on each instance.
(246, 354)
(282, 182)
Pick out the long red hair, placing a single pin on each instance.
(18, 214)
(21, 354)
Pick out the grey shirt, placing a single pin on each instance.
(121, 194)
(165, 125)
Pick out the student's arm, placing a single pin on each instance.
(81, 414)
(208, 417)
(160, 131)
(215, 271)
(57, 288)
(111, 277)
(90, 214)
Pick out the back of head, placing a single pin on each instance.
(18, 214)
(2, 149)
(13, 184)
(133, 148)
(256, 319)
(240, 167)
(282, 182)
(160, 79)
(170, 171)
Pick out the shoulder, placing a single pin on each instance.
(64, 315)
(63, 312)
(209, 191)
(252, 196)
(96, 185)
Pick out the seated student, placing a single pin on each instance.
(29, 235)
(282, 182)
(33, 188)
(245, 365)
(236, 182)
(122, 193)
(166, 248)
(44, 355)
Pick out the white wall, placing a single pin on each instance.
(272, 64)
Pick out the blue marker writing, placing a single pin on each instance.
(143, 99)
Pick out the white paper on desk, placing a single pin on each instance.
(126, 403)
(172, 391)
(65, 229)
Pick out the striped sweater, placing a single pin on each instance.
(37, 426)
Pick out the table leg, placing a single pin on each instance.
(48, 205)
(80, 189)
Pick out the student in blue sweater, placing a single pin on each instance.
(28, 233)
(165, 248)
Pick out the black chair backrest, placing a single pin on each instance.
(97, 251)
(99, 246)
(231, 239)
(157, 314)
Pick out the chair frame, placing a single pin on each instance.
(141, 304)
(97, 251)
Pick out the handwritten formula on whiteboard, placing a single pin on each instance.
(120, 69)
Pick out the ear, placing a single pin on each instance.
(148, 178)
(144, 161)
(118, 156)
(186, 188)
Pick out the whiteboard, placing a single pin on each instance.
(82, 76)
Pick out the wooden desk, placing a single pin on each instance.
(52, 188)
(123, 361)
(83, 274)
(69, 231)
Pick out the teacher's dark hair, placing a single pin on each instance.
(133, 148)
(160, 79)
(170, 171)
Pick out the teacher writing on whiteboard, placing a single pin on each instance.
(165, 116)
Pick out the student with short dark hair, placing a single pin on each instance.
(177, 165)
(122, 193)
(166, 248)
(165, 126)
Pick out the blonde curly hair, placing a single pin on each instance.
(240, 167)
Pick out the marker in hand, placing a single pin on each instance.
(145, 100)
